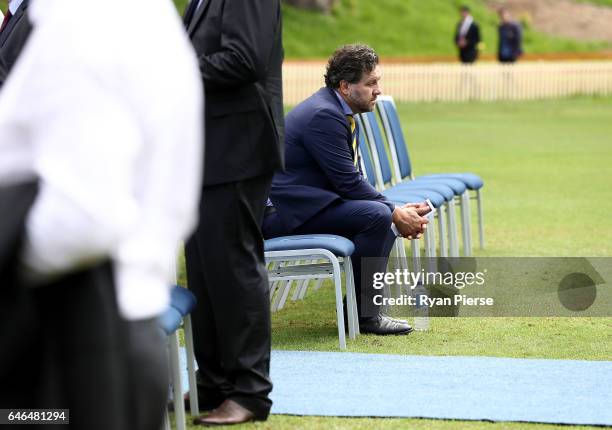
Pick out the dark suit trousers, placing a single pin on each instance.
(226, 272)
(64, 345)
(368, 224)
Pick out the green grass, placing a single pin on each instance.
(402, 28)
(598, 2)
(546, 166)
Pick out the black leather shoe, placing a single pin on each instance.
(398, 320)
(383, 325)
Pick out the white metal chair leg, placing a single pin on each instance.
(426, 240)
(416, 255)
(177, 389)
(442, 232)
(300, 289)
(281, 290)
(284, 288)
(275, 284)
(481, 235)
(430, 233)
(453, 238)
(297, 290)
(465, 224)
(284, 295)
(304, 289)
(402, 258)
(339, 310)
(351, 300)
(430, 242)
(194, 407)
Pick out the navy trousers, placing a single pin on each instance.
(367, 223)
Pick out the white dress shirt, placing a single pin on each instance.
(465, 25)
(13, 5)
(106, 109)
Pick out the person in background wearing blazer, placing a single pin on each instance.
(323, 190)
(239, 49)
(14, 32)
(510, 38)
(467, 36)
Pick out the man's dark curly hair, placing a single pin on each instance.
(349, 63)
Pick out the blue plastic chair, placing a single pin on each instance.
(441, 195)
(369, 170)
(403, 170)
(182, 302)
(307, 251)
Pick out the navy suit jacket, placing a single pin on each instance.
(319, 168)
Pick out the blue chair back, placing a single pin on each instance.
(379, 146)
(401, 148)
(364, 152)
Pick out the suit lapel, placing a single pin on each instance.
(332, 94)
(199, 13)
(188, 14)
(12, 23)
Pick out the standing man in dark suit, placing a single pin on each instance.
(510, 38)
(239, 50)
(467, 36)
(323, 190)
(14, 32)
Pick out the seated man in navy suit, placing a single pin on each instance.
(322, 189)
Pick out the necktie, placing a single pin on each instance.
(6, 19)
(351, 121)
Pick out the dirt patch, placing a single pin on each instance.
(562, 18)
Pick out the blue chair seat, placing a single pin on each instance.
(471, 180)
(456, 185)
(182, 300)
(170, 320)
(414, 196)
(338, 245)
(438, 187)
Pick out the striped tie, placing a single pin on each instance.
(351, 121)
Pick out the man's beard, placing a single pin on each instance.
(362, 105)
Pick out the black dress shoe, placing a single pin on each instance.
(228, 413)
(401, 321)
(383, 325)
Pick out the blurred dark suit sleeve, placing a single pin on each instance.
(12, 40)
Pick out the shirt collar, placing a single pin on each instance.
(345, 107)
(14, 5)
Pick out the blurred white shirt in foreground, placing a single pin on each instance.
(105, 107)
